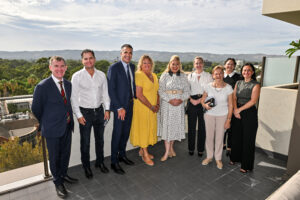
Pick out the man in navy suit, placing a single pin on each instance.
(121, 89)
(51, 106)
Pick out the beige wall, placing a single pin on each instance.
(286, 10)
(275, 118)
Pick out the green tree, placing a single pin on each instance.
(4, 86)
(12, 108)
(14, 155)
(296, 47)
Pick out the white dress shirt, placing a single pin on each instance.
(56, 81)
(89, 91)
(197, 85)
(230, 75)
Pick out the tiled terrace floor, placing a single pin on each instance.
(182, 177)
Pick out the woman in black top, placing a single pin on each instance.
(230, 77)
(245, 122)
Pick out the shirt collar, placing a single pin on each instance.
(125, 64)
(230, 75)
(56, 80)
(177, 73)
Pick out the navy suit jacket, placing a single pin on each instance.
(49, 108)
(118, 87)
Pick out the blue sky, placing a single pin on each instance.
(208, 26)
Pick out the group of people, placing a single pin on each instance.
(145, 108)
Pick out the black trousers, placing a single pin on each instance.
(120, 134)
(243, 138)
(59, 150)
(94, 118)
(195, 113)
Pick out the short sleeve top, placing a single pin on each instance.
(244, 91)
(221, 99)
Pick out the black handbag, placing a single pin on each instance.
(211, 102)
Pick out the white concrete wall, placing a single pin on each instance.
(275, 118)
(75, 152)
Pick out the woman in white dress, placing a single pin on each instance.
(173, 90)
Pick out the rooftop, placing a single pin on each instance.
(182, 177)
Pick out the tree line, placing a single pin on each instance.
(19, 77)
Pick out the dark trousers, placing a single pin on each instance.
(120, 134)
(195, 113)
(94, 118)
(59, 150)
(243, 138)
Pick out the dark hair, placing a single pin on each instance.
(232, 59)
(87, 51)
(253, 69)
(126, 45)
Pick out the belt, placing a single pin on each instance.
(196, 96)
(174, 92)
(92, 109)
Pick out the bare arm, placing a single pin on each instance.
(143, 99)
(230, 109)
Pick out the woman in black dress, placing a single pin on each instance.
(230, 77)
(245, 122)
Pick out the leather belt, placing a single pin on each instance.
(196, 96)
(174, 92)
(92, 109)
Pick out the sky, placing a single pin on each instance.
(206, 26)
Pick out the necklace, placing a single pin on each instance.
(218, 89)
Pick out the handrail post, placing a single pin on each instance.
(46, 168)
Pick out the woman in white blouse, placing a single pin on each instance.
(197, 79)
(217, 118)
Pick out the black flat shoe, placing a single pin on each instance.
(69, 179)
(117, 168)
(126, 160)
(200, 154)
(61, 191)
(191, 153)
(88, 172)
(103, 168)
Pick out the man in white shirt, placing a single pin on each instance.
(89, 100)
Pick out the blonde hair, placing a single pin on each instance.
(174, 57)
(140, 63)
(220, 67)
(198, 58)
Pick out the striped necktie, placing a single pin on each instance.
(62, 91)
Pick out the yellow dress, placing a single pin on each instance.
(143, 130)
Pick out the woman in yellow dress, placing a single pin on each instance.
(144, 120)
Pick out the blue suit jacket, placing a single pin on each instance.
(118, 87)
(49, 108)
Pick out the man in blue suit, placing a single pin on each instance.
(121, 89)
(51, 106)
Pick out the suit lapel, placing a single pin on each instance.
(55, 90)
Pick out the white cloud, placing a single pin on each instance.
(180, 25)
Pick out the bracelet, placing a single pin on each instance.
(152, 107)
(228, 119)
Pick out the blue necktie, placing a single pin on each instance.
(129, 81)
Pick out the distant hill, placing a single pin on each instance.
(114, 55)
